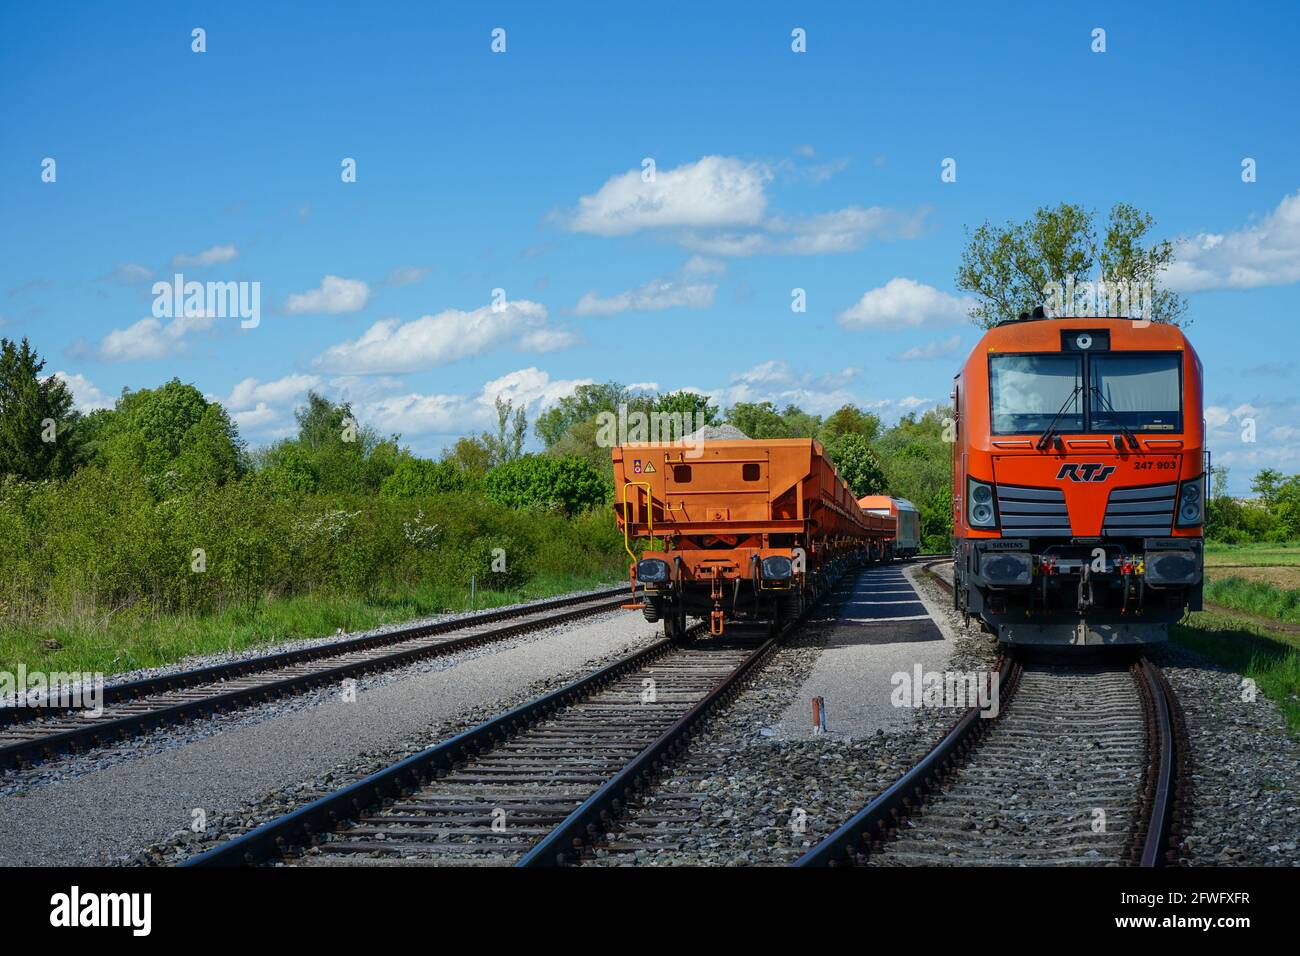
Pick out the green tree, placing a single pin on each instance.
(586, 402)
(1267, 483)
(850, 420)
(1008, 268)
(512, 425)
(689, 404)
(544, 481)
(471, 455)
(858, 465)
(39, 433)
(333, 452)
(172, 432)
(418, 477)
(762, 420)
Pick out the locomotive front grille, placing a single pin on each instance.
(1039, 512)
(1140, 511)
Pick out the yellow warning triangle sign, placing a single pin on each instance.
(649, 468)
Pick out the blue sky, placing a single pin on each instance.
(521, 171)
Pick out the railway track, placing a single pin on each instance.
(30, 734)
(1084, 763)
(534, 787)
(528, 787)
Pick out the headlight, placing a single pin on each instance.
(652, 571)
(1190, 503)
(979, 505)
(777, 568)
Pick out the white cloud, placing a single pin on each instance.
(931, 350)
(730, 244)
(1253, 256)
(842, 230)
(414, 413)
(150, 339)
(700, 266)
(773, 382)
(717, 206)
(1269, 422)
(655, 295)
(432, 340)
(86, 396)
(129, 273)
(905, 303)
(549, 340)
(251, 391)
(333, 297)
(208, 257)
(256, 419)
(715, 191)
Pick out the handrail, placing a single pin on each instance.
(627, 517)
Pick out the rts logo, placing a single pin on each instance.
(1088, 471)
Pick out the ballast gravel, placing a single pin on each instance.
(109, 813)
(1245, 803)
(741, 796)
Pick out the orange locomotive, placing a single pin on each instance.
(1079, 481)
(751, 530)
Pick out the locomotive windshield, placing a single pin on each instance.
(1029, 391)
(1135, 390)
(1096, 392)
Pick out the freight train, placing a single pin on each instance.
(907, 538)
(738, 529)
(1079, 481)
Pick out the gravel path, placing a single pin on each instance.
(742, 796)
(107, 811)
(1246, 768)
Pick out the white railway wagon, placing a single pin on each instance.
(907, 543)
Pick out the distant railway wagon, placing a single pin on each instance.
(738, 529)
(907, 542)
(1079, 481)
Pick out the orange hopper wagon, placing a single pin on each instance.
(737, 529)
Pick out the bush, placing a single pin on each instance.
(418, 477)
(544, 482)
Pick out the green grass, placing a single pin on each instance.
(1255, 597)
(1270, 658)
(1218, 554)
(122, 643)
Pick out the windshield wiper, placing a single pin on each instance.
(1045, 438)
(1120, 426)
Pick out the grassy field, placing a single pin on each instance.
(121, 643)
(1219, 555)
(1256, 629)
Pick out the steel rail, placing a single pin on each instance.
(1161, 801)
(300, 826)
(581, 828)
(873, 822)
(97, 732)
